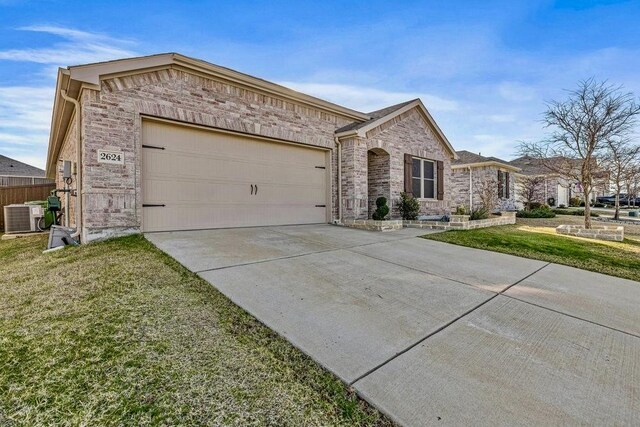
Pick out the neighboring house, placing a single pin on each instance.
(556, 189)
(13, 172)
(473, 173)
(552, 188)
(175, 143)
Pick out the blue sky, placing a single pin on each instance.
(483, 68)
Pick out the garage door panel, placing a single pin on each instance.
(184, 217)
(204, 179)
(187, 191)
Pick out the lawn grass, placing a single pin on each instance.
(117, 333)
(530, 240)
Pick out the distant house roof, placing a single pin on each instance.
(467, 158)
(12, 167)
(534, 166)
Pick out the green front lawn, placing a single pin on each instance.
(540, 242)
(117, 333)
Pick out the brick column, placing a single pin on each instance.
(354, 179)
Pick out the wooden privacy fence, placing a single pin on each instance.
(20, 194)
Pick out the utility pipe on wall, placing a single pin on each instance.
(76, 105)
(470, 188)
(339, 144)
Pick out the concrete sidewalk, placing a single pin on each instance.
(433, 333)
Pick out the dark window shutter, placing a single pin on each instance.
(506, 183)
(408, 173)
(500, 193)
(440, 180)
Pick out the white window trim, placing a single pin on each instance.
(422, 179)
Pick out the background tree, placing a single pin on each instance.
(488, 194)
(619, 160)
(592, 115)
(531, 188)
(632, 180)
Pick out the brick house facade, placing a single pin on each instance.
(116, 98)
(471, 173)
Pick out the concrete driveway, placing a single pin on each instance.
(432, 333)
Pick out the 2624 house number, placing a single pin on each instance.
(113, 157)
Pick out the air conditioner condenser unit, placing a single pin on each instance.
(22, 218)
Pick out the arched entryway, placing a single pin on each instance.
(378, 177)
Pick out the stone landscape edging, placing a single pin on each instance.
(456, 222)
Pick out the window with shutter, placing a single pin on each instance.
(503, 185)
(422, 176)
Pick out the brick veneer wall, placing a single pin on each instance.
(409, 133)
(112, 120)
(460, 187)
(68, 152)
(378, 177)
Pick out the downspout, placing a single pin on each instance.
(76, 105)
(470, 189)
(339, 144)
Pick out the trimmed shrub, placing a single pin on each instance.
(461, 210)
(408, 207)
(541, 212)
(574, 201)
(574, 212)
(480, 213)
(382, 209)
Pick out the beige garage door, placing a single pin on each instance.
(195, 178)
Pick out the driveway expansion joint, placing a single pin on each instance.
(572, 316)
(262, 261)
(443, 327)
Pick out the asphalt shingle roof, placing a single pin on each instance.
(467, 157)
(530, 166)
(12, 167)
(375, 115)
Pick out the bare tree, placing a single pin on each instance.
(594, 113)
(531, 188)
(632, 180)
(620, 158)
(488, 194)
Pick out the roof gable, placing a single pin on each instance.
(382, 116)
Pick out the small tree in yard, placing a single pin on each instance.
(408, 207)
(488, 194)
(530, 189)
(620, 158)
(592, 115)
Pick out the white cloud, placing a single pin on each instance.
(25, 108)
(513, 91)
(25, 115)
(25, 111)
(78, 47)
(501, 118)
(369, 99)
